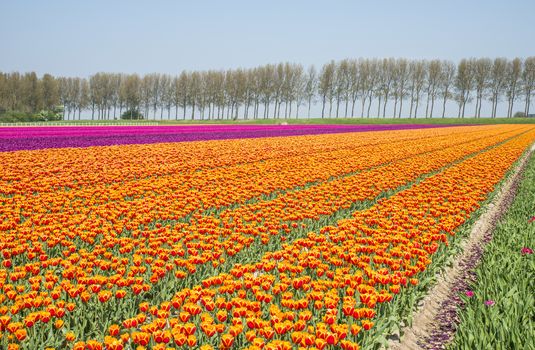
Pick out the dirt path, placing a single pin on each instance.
(433, 324)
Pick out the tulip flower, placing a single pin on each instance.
(526, 251)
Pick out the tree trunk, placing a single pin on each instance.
(379, 107)
(412, 104)
(369, 105)
(479, 109)
(427, 107)
(513, 95)
(477, 105)
(528, 102)
(323, 108)
(290, 110)
(432, 106)
(444, 104)
(384, 105)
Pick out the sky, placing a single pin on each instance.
(80, 38)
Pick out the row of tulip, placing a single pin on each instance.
(185, 192)
(132, 264)
(325, 289)
(217, 237)
(82, 167)
(191, 185)
(14, 139)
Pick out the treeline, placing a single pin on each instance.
(347, 88)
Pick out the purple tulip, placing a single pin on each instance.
(31, 138)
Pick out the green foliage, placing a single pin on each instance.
(501, 313)
(50, 115)
(520, 115)
(41, 116)
(132, 114)
(17, 117)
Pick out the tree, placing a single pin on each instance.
(82, 99)
(133, 93)
(341, 84)
(146, 88)
(418, 74)
(155, 92)
(528, 82)
(194, 92)
(497, 82)
(166, 98)
(446, 82)
(326, 83)
(311, 87)
(182, 92)
(50, 92)
(32, 93)
(481, 69)
(401, 78)
(464, 82)
(266, 74)
(371, 83)
(388, 72)
(434, 71)
(512, 76)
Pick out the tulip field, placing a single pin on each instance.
(233, 237)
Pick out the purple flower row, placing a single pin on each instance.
(32, 138)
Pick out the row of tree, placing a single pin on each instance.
(345, 88)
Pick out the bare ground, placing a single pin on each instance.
(434, 323)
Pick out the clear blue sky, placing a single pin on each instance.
(78, 38)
